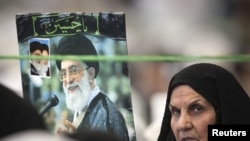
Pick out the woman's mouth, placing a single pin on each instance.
(189, 139)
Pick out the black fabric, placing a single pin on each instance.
(87, 135)
(219, 87)
(77, 45)
(17, 114)
(33, 70)
(102, 115)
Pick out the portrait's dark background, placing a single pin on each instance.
(159, 27)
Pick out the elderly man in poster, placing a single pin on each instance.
(93, 110)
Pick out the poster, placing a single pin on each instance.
(90, 94)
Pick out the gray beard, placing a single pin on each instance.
(41, 69)
(77, 100)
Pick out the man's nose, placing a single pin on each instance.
(69, 78)
(44, 62)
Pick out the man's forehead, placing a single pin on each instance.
(36, 52)
(65, 64)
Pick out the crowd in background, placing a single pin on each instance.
(159, 27)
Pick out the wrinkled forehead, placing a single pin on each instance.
(184, 95)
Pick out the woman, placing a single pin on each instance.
(200, 95)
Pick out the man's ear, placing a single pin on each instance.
(91, 72)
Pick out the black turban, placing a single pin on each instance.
(77, 45)
(219, 87)
(38, 46)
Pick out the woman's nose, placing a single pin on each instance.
(184, 122)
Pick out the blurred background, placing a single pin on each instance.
(154, 27)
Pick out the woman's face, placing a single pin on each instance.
(191, 114)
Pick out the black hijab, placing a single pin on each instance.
(219, 87)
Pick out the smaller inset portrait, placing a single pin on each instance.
(39, 47)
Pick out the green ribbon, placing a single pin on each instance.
(133, 58)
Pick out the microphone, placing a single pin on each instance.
(51, 103)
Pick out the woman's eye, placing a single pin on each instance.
(196, 109)
(174, 111)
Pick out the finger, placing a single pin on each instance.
(69, 125)
(59, 131)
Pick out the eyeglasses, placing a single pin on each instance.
(72, 72)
